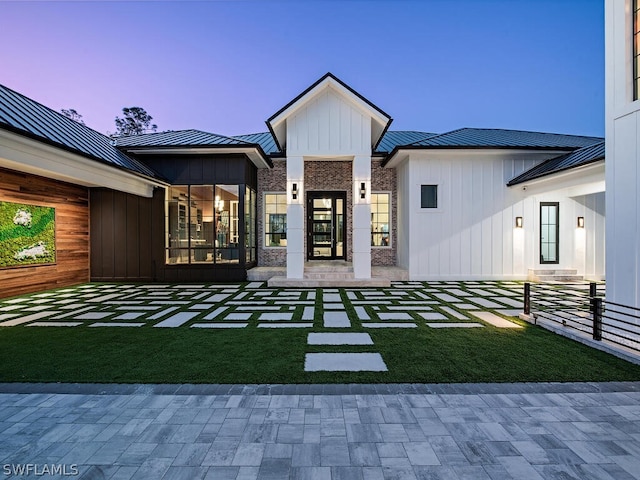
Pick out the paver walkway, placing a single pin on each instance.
(454, 432)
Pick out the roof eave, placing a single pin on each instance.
(520, 179)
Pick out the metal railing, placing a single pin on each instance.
(583, 308)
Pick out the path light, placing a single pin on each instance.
(518, 222)
(580, 222)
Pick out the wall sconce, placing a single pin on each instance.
(580, 222)
(518, 222)
(294, 191)
(363, 190)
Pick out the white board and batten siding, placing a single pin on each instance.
(472, 234)
(328, 125)
(622, 130)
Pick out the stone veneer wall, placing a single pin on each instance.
(272, 180)
(385, 180)
(326, 175)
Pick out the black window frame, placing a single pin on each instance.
(425, 201)
(557, 242)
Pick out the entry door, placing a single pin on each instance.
(326, 225)
(549, 232)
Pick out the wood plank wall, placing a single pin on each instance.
(72, 233)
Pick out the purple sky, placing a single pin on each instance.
(226, 66)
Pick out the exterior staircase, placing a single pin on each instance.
(554, 275)
(330, 274)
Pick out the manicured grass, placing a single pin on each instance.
(251, 355)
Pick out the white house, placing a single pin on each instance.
(329, 181)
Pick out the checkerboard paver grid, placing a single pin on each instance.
(253, 305)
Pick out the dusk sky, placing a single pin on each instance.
(227, 66)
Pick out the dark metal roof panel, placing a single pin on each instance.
(577, 158)
(179, 138)
(392, 139)
(25, 116)
(264, 139)
(499, 138)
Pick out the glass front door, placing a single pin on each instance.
(326, 225)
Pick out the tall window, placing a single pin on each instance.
(249, 224)
(202, 224)
(636, 49)
(275, 223)
(380, 219)
(549, 232)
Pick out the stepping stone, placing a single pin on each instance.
(6, 316)
(162, 313)
(327, 306)
(116, 324)
(362, 313)
(285, 325)
(512, 302)
(104, 298)
(28, 318)
(276, 316)
(495, 320)
(389, 325)
(218, 297)
(445, 297)
(129, 316)
(454, 325)
(93, 315)
(395, 316)
(466, 306)
(54, 324)
(219, 325)
(255, 285)
(344, 362)
(486, 303)
(339, 339)
(308, 313)
(454, 313)
(336, 320)
(176, 320)
(432, 316)
(238, 316)
(510, 313)
(218, 311)
(331, 298)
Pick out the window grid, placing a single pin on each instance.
(275, 225)
(380, 219)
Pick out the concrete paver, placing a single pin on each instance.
(521, 431)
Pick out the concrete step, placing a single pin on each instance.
(554, 275)
(553, 271)
(328, 282)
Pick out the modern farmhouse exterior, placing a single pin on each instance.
(328, 181)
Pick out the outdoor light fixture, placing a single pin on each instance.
(580, 222)
(363, 190)
(294, 191)
(518, 222)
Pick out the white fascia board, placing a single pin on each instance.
(469, 154)
(253, 154)
(278, 124)
(573, 182)
(30, 156)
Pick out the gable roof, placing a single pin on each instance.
(501, 138)
(577, 158)
(277, 125)
(24, 116)
(264, 139)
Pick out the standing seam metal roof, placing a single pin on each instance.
(577, 158)
(500, 138)
(25, 116)
(177, 138)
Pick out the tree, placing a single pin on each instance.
(136, 120)
(73, 115)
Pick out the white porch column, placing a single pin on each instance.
(295, 217)
(361, 217)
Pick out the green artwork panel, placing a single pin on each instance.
(27, 235)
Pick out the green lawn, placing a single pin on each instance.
(250, 355)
